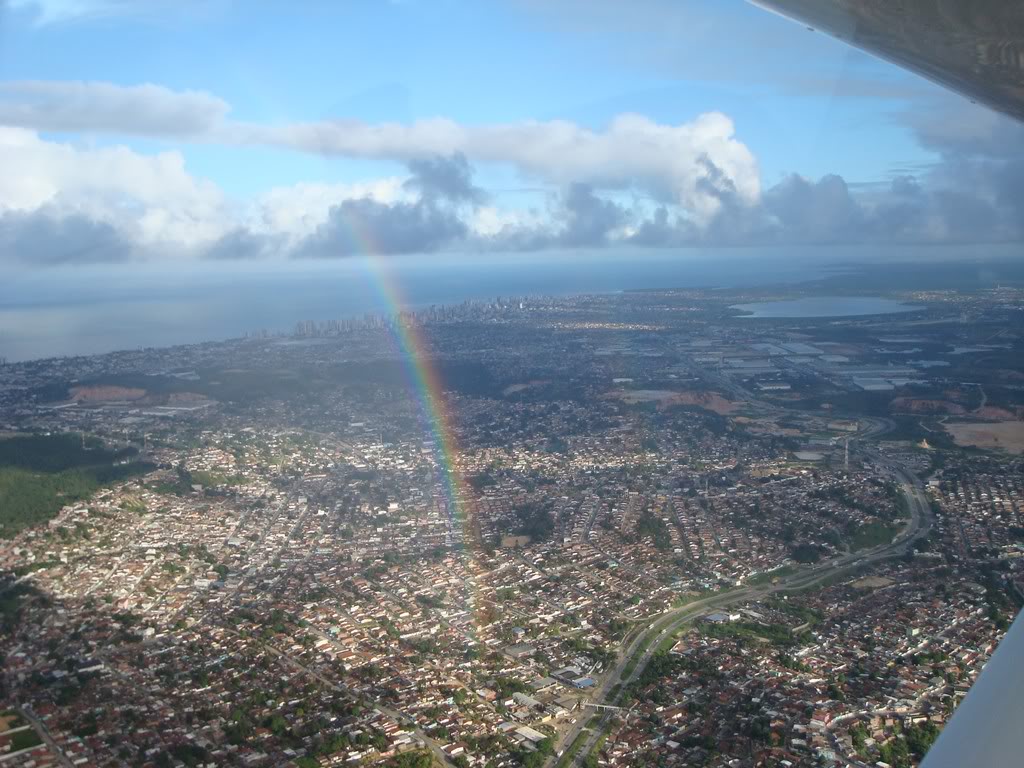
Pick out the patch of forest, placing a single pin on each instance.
(39, 474)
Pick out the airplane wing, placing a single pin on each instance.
(974, 47)
(987, 729)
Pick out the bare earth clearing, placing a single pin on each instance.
(1006, 435)
(711, 401)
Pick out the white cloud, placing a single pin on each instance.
(151, 197)
(690, 164)
(113, 202)
(673, 162)
(489, 220)
(298, 209)
(95, 107)
(46, 12)
(55, 11)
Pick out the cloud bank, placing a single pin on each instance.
(634, 182)
(669, 162)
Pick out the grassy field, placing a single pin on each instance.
(637, 655)
(873, 535)
(766, 577)
(776, 634)
(669, 640)
(209, 479)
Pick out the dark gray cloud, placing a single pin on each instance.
(815, 212)
(588, 220)
(905, 185)
(663, 230)
(795, 211)
(44, 237)
(961, 201)
(736, 222)
(577, 218)
(1008, 184)
(910, 210)
(974, 193)
(428, 224)
(442, 178)
(966, 198)
(954, 127)
(241, 243)
(365, 225)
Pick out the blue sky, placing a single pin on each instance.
(479, 62)
(292, 96)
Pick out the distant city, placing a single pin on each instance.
(736, 527)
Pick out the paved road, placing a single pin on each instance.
(919, 525)
(47, 737)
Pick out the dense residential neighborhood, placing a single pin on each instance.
(626, 530)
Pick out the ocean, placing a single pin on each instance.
(55, 311)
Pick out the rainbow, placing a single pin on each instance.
(423, 374)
